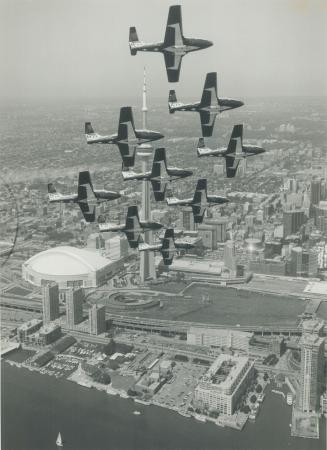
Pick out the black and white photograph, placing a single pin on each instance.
(163, 225)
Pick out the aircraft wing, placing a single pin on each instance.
(173, 63)
(133, 238)
(127, 153)
(88, 213)
(207, 122)
(231, 166)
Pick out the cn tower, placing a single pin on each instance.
(144, 152)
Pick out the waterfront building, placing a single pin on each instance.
(312, 372)
(97, 319)
(221, 388)
(194, 268)
(211, 337)
(74, 307)
(28, 328)
(274, 266)
(293, 220)
(50, 302)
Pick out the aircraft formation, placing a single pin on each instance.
(128, 138)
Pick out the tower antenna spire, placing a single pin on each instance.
(144, 105)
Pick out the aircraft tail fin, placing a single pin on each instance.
(168, 247)
(133, 38)
(51, 189)
(171, 100)
(159, 190)
(88, 128)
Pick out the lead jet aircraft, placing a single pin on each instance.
(200, 201)
(209, 105)
(234, 153)
(127, 137)
(174, 46)
(133, 226)
(87, 197)
(168, 247)
(159, 175)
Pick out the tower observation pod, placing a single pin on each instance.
(144, 152)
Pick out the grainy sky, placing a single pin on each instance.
(79, 48)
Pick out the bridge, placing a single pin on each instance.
(179, 327)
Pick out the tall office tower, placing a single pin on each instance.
(187, 219)
(292, 221)
(50, 302)
(296, 261)
(74, 306)
(315, 191)
(220, 223)
(97, 319)
(230, 256)
(312, 371)
(147, 268)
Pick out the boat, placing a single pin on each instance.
(59, 440)
(289, 398)
(137, 413)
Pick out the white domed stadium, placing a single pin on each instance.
(69, 267)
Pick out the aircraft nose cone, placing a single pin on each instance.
(209, 44)
(157, 226)
(188, 173)
(238, 103)
(158, 136)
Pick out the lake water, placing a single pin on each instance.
(36, 407)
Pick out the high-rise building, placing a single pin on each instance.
(147, 266)
(50, 302)
(74, 306)
(97, 319)
(220, 224)
(315, 191)
(293, 220)
(230, 255)
(187, 219)
(296, 261)
(208, 234)
(312, 371)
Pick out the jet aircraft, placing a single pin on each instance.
(200, 201)
(209, 105)
(159, 175)
(174, 46)
(127, 137)
(87, 197)
(132, 228)
(234, 153)
(168, 247)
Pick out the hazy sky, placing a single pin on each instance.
(79, 48)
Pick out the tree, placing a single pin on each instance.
(246, 409)
(258, 388)
(253, 398)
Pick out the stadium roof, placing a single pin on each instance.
(66, 260)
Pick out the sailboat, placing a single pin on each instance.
(59, 440)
